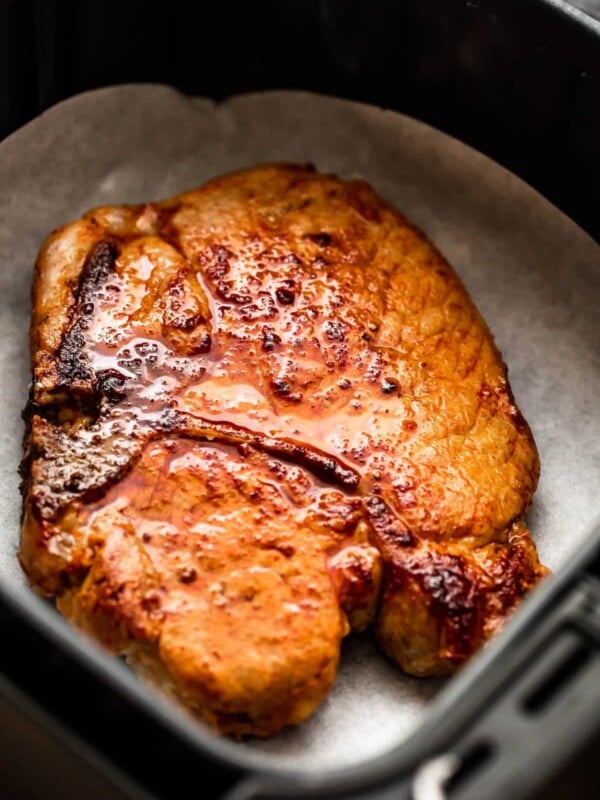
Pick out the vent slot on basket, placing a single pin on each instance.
(551, 684)
(471, 763)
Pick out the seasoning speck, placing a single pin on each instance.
(389, 385)
(188, 575)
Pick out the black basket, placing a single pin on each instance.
(520, 81)
(517, 79)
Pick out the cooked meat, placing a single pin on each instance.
(266, 413)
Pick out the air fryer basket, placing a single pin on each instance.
(515, 78)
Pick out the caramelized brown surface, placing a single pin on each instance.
(265, 412)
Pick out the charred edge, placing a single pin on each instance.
(24, 469)
(71, 359)
(515, 573)
(517, 417)
(456, 600)
(386, 526)
(519, 421)
(327, 468)
(97, 269)
(92, 494)
(107, 386)
(49, 506)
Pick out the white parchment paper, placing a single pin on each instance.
(533, 273)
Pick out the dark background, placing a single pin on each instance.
(520, 84)
(518, 79)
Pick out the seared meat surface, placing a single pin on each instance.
(264, 413)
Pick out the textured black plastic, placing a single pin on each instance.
(522, 714)
(511, 722)
(517, 79)
(103, 719)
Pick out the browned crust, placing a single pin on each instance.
(330, 312)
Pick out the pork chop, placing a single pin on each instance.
(265, 413)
